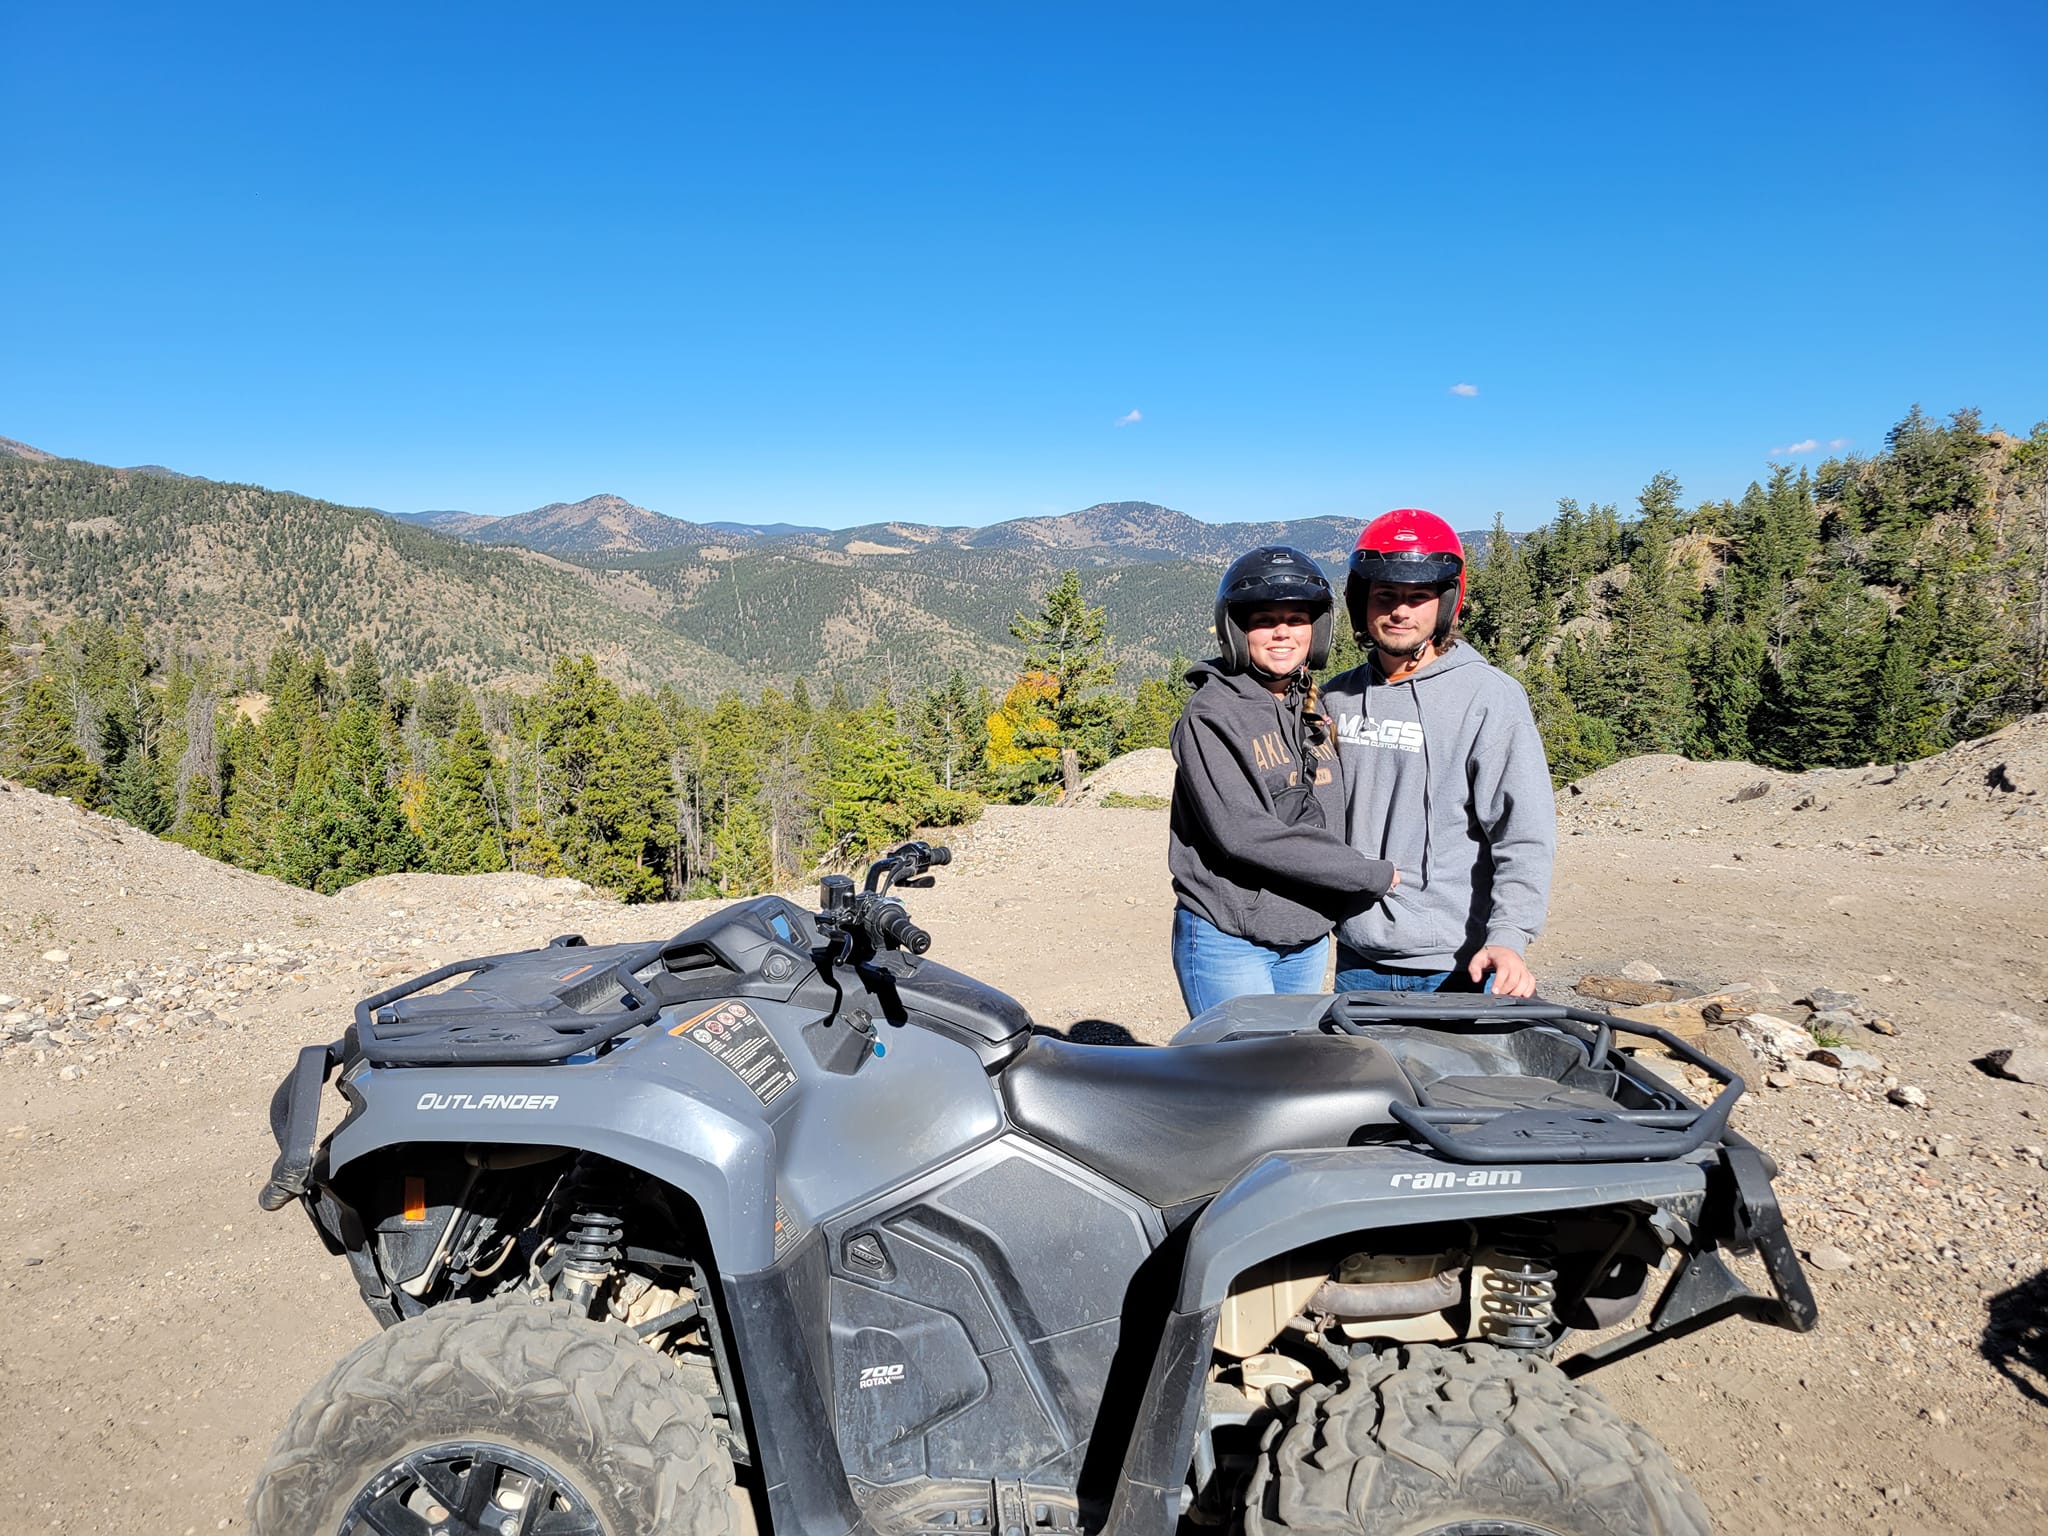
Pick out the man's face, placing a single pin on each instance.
(1400, 616)
(1278, 637)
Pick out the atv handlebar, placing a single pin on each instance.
(875, 920)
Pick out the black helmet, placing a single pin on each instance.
(1266, 577)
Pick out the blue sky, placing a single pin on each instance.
(965, 262)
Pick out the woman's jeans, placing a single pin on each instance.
(1355, 973)
(1213, 966)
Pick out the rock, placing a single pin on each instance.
(1620, 989)
(1814, 1072)
(1730, 1003)
(1828, 1257)
(1780, 1079)
(1908, 1098)
(72, 1073)
(1946, 1146)
(1823, 999)
(1879, 1026)
(2020, 1063)
(1848, 1060)
(1754, 791)
(57, 956)
(1775, 1040)
(1683, 1019)
(1726, 1047)
(1641, 970)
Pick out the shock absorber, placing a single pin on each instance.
(1517, 1290)
(590, 1252)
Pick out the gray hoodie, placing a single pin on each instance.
(1254, 846)
(1444, 774)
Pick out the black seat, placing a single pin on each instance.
(1178, 1124)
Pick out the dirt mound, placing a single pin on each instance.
(1988, 796)
(102, 892)
(1144, 774)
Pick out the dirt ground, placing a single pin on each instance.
(160, 1327)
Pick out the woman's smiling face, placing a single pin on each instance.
(1278, 637)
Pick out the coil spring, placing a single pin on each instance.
(1520, 1300)
(591, 1245)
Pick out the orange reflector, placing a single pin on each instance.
(415, 1198)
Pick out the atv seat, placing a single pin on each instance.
(1178, 1123)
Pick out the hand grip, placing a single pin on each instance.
(896, 928)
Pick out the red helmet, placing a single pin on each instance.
(1413, 547)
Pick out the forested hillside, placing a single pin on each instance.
(232, 569)
(1876, 609)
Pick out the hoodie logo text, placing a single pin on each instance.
(1398, 735)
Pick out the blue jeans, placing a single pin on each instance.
(1355, 973)
(1213, 966)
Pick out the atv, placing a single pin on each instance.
(780, 1224)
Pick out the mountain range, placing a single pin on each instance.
(657, 599)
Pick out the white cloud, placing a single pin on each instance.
(1131, 419)
(1808, 445)
(1467, 390)
(1839, 442)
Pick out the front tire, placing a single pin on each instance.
(1463, 1441)
(470, 1417)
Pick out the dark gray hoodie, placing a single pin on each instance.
(1255, 846)
(1444, 774)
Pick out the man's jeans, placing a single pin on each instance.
(1213, 966)
(1355, 973)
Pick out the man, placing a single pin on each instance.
(1444, 776)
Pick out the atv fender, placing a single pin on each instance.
(720, 1158)
(1287, 1200)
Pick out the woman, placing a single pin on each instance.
(1261, 870)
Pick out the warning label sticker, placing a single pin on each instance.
(787, 1229)
(738, 1038)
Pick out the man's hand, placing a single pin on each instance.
(1511, 974)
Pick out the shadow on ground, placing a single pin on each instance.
(2016, 1337)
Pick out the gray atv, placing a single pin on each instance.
(778, 1223)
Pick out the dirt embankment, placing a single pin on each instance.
(161, 1328)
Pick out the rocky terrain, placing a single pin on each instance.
(1893, 922)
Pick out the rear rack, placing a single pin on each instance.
(1485, 1134)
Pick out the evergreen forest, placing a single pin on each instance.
(1874, 608)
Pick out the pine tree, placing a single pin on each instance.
(40, 746)
(457, 830)
(346, 824)
(1816, 704)
(1067, 643)
(1728, 674)
(1642, 684)
(1501, 598)
(879, 793)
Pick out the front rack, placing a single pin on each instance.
(1486, 1134)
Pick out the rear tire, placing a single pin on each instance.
(1463, 1441)
(603, 1427)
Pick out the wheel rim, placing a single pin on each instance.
(1489, 1528)
(470, 1488)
